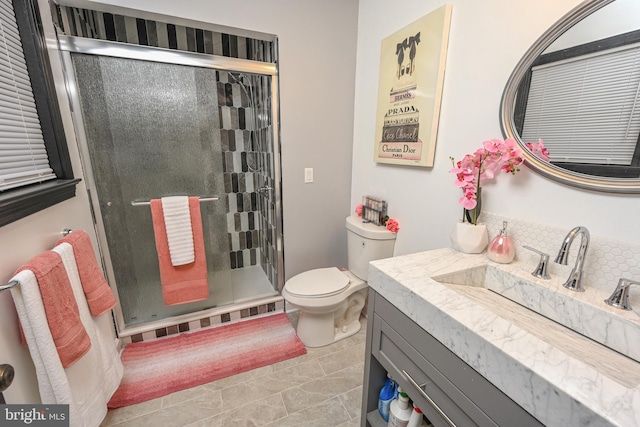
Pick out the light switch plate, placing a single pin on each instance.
(308, 175)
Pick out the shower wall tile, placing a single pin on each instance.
(131, 30)
(193, 325)
(237, 95)
(242, 48)
(146, 336)
(217, 44)
(240, 139)
(225, 116)
(81, 22)
(121, 28)
(151, 33)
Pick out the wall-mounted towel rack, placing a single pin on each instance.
(148, 202)
(9, 285)
(13, 283)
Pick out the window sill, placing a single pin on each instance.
(606, 171)
(22, 202)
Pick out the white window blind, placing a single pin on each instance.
(23, 157)
(587, 109)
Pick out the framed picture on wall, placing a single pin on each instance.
(412, 64)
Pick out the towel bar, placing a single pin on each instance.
(13, 283)
(9, 285)
(148, 202)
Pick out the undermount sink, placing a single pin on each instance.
(583, 312)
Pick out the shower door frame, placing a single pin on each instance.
(72, 44)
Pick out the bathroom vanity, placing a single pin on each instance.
(467, 355)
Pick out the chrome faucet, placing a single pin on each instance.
(620, 297)
(574, 282)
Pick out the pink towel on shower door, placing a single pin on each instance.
(96, 289)
(183, 283)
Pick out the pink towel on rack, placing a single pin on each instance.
(63, 316)
(96, 289)
(183, 283)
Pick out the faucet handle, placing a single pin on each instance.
(541, 270)
(620, 296)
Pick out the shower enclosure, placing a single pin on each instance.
(153, 123)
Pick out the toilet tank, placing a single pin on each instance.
(367, 242)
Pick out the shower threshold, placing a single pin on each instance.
(250, 283)
(252, 292)
(194, 319)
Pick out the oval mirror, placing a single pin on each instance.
(578, 89)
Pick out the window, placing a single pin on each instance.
(35, 169)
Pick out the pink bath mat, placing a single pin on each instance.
(157, 368)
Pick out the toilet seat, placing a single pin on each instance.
(318, 283)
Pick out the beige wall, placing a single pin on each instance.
(487, 39)
(28, 237)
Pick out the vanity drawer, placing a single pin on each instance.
(409, 354)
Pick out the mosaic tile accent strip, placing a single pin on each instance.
(607, 260)
(207, 322)
(73, 21)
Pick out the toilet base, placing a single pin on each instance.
(319, 330)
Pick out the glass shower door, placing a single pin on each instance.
(152, 130)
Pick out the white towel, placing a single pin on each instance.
(177, 222)
(87, 385)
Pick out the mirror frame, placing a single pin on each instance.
(507, 107)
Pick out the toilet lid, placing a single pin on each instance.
(317, 283)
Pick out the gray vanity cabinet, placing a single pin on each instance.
(445, 388)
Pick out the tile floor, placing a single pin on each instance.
(322, 388)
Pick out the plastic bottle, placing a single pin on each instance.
(398, 391)
(416, 418)
(387, 393)
(501, 249)
(399, 411)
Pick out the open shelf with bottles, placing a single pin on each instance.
(447, 390)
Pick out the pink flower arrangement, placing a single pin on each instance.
(538, 149)
(494, 156)
(392, 225)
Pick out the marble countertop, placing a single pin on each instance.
(559, 376)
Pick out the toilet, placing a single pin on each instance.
(329, 299)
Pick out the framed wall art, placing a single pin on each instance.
(412, 64)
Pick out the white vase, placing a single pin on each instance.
(469, 238)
